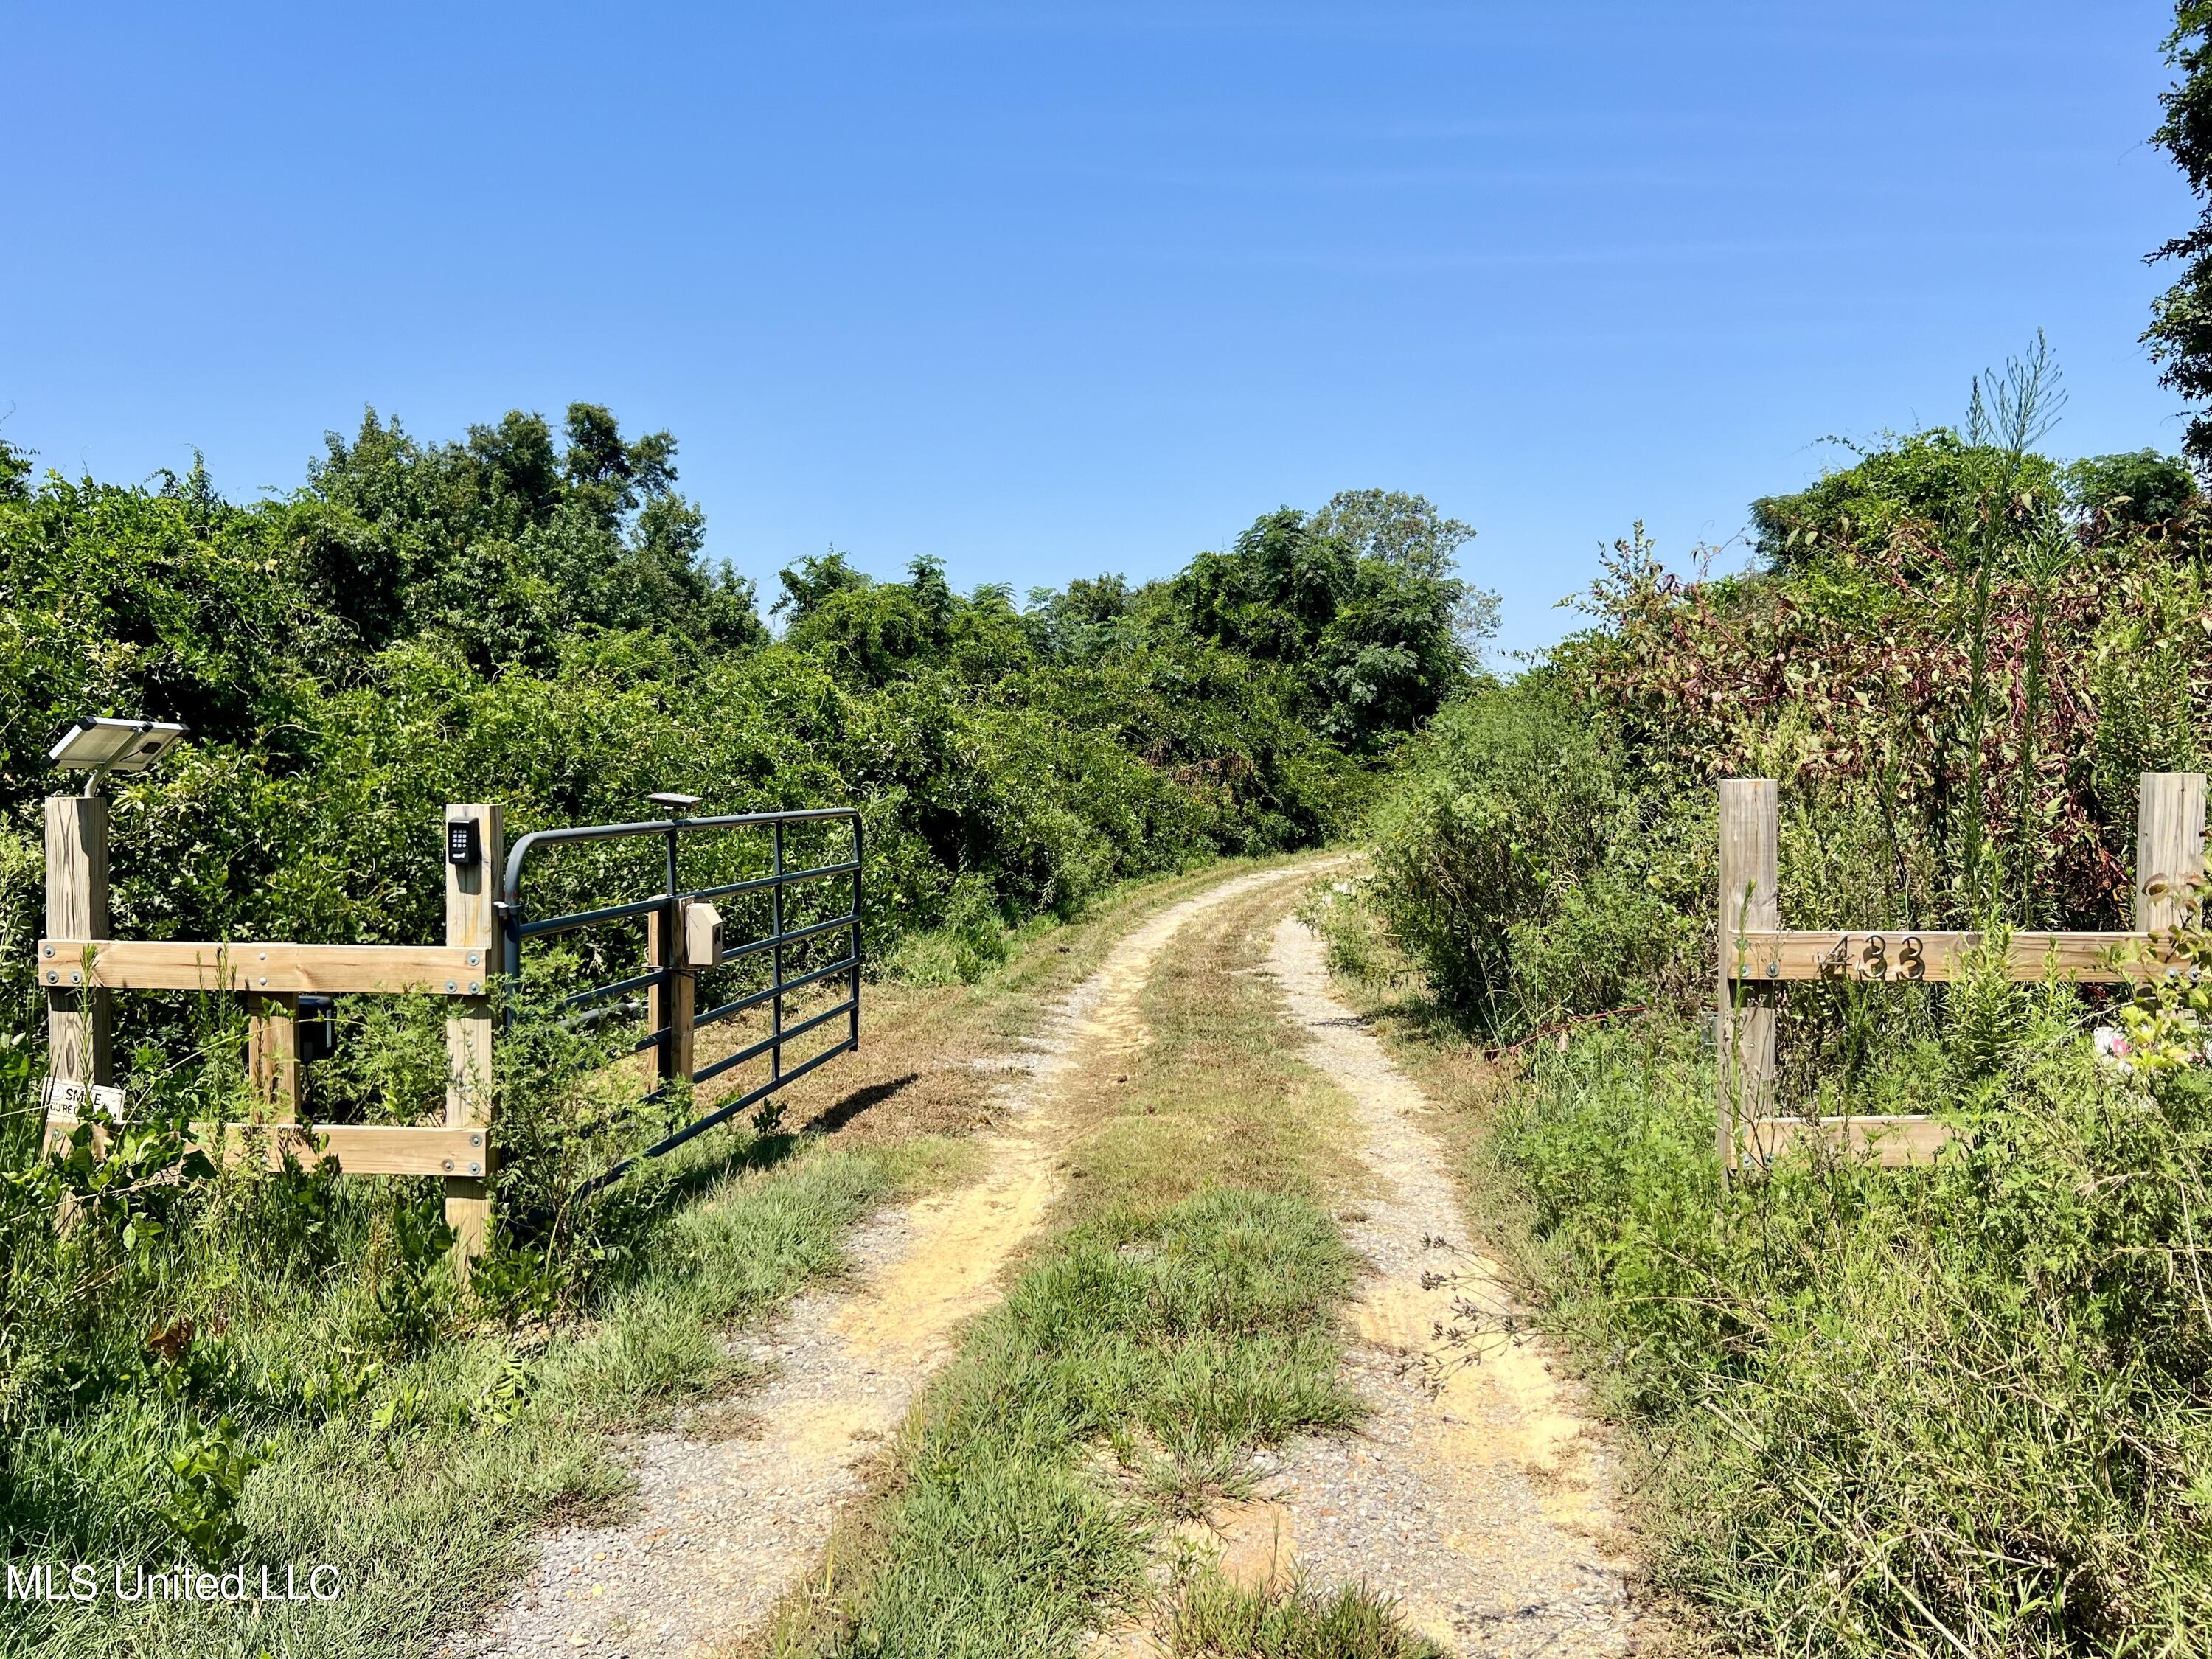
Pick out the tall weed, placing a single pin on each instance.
(1962, 1407)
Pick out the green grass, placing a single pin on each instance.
(1182, 1316)
(1219, 1620)
(423, 1479)
(1174, 1340)
(1956, 1408)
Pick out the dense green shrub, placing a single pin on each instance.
(1357, 603)
(1885, 1407)
(1958, 716)
(2141, 487)
(1517, 861)
(1912, 482)
(530, 619)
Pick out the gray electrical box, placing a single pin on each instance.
(702, 936)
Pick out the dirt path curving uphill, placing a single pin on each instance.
(1472, 1494)
(720, 1530)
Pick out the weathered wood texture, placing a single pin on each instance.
(472, 927)
(255, 967)
(1758, 957)
(1895, 1142)
(1906, 956)
(2169, 847)
(79, 966)
(674, 1001)
(79, 1016)
(273, 1051)
(1749, 898)
(360, 1149)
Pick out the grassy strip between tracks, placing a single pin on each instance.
(422, 1473)
(1181, 1315)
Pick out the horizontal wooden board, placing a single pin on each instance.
(1896, 1142)
(360, 1149)
(1904, 955)
(199, 965)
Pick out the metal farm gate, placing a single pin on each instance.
(795, 929)
(687, 941)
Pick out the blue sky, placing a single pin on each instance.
(1049, 290)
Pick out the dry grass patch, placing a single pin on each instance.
(1215, 1094)
(931, 1056)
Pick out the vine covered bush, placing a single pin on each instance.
(1957, 1408)
(1957, 711)
(528, 616)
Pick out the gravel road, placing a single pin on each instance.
(1472, 1494)
(720, 1528)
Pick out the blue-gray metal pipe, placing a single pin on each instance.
(756, 946)
(670, 903)
(758, 997)
(775, 928)
(769, 1044)
(855, 1037)
(720, 1114)
(789, 878)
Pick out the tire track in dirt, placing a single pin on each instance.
(1472, 1494)
(721, 1529)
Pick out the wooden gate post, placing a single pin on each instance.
(79, 1043)
(2169, 847)
(671, 1003)
(472, 923)
(1750, 900)
(273, 1053)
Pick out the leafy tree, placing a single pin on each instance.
(1409, 531)
(1362, 613)
(872, 633)
(505, 542)
(2141, 487)
(165, 604)
(1924, 479)
(1392, 525)
(1081, 623)
(2180, 332)
(989, 638)
(15, 473)
(810, 583)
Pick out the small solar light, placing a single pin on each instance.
(99, 746)
(676, 806)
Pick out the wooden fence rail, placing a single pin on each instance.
(1758, 955)
(81, 968)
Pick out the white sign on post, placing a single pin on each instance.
(69, 1097)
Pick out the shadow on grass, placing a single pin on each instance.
(835, 1116)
